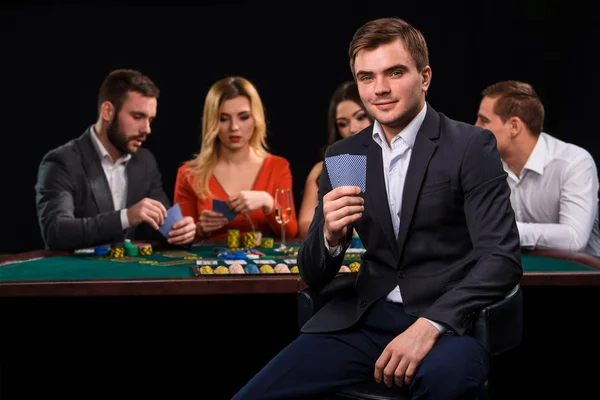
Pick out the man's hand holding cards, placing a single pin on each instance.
(176, 228)
(343, 205)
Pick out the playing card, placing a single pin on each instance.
(173, 215)
(222, 207)
(347, 170)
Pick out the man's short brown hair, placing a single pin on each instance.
(386, 30)
(517, 99)
(121, 81)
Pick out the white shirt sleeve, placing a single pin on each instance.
(439, 326)
(578, 203)
(124, 220)
(334, 251)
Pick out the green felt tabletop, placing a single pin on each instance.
(179, 263)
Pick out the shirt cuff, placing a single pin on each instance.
(439, 326)
(124, 220)
(524, 238)
(334, 251)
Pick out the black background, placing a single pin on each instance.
(55, 55)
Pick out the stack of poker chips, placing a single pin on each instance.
(266, 269)
(206, 270)
(354, 267)
(145, 249)
(221, 270)
(130, 249)
(249, 239)
(233, 238)
(117, 250)
(251, 269)
(267, 242)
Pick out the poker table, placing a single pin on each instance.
(173, 271)
(135, 326)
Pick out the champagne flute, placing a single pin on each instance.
(283, 212)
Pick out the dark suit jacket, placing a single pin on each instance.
(457, 248)
(74, 202)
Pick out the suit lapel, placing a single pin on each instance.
(95, 173)
(377, 194)
(421, 155)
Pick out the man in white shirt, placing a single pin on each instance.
(440, 236)
(554, 185)
(104, 187)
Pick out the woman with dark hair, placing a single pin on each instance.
(346, 117)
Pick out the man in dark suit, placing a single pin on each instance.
(440, 237)
(103, 187)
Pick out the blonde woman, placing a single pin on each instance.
(234, 165)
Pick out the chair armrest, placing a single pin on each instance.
(499, 327)
(311, 300)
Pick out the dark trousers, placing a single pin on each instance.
(313, 364)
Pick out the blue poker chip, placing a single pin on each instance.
(218, 250)
(251, 269)
(239, 254)
(101, 250)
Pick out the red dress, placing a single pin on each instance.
(274, 174)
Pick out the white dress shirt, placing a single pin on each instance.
(396, 158)
(116, 177)
(555, 198)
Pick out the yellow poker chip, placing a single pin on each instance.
(354, 267)
(206, 270)
(266, 269)
(221, 270)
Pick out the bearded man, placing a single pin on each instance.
(103, 187)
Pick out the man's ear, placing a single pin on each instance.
(425, 78)
(515, 126)
(107, 111)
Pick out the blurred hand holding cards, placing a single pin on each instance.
(221, 206)
(173, 216)
(347, 170)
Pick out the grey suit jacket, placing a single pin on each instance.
(74, 202)
(457, 248)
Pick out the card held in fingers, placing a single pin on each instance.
(348, 170)
(333, 170)
(221, 206)
(173, 216)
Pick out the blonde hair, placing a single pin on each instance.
(203, 164)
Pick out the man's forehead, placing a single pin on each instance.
(135, 100)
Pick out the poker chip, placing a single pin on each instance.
(251, 269)
(281, 268)
(294, 270)
(206, 270)
(117, 252)
(249, 239)
(267, 242)
(266, 269)
(233, 238)
(101, 250)
(145, 250)
(221, 270)
(354, 267)
(236, 268)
